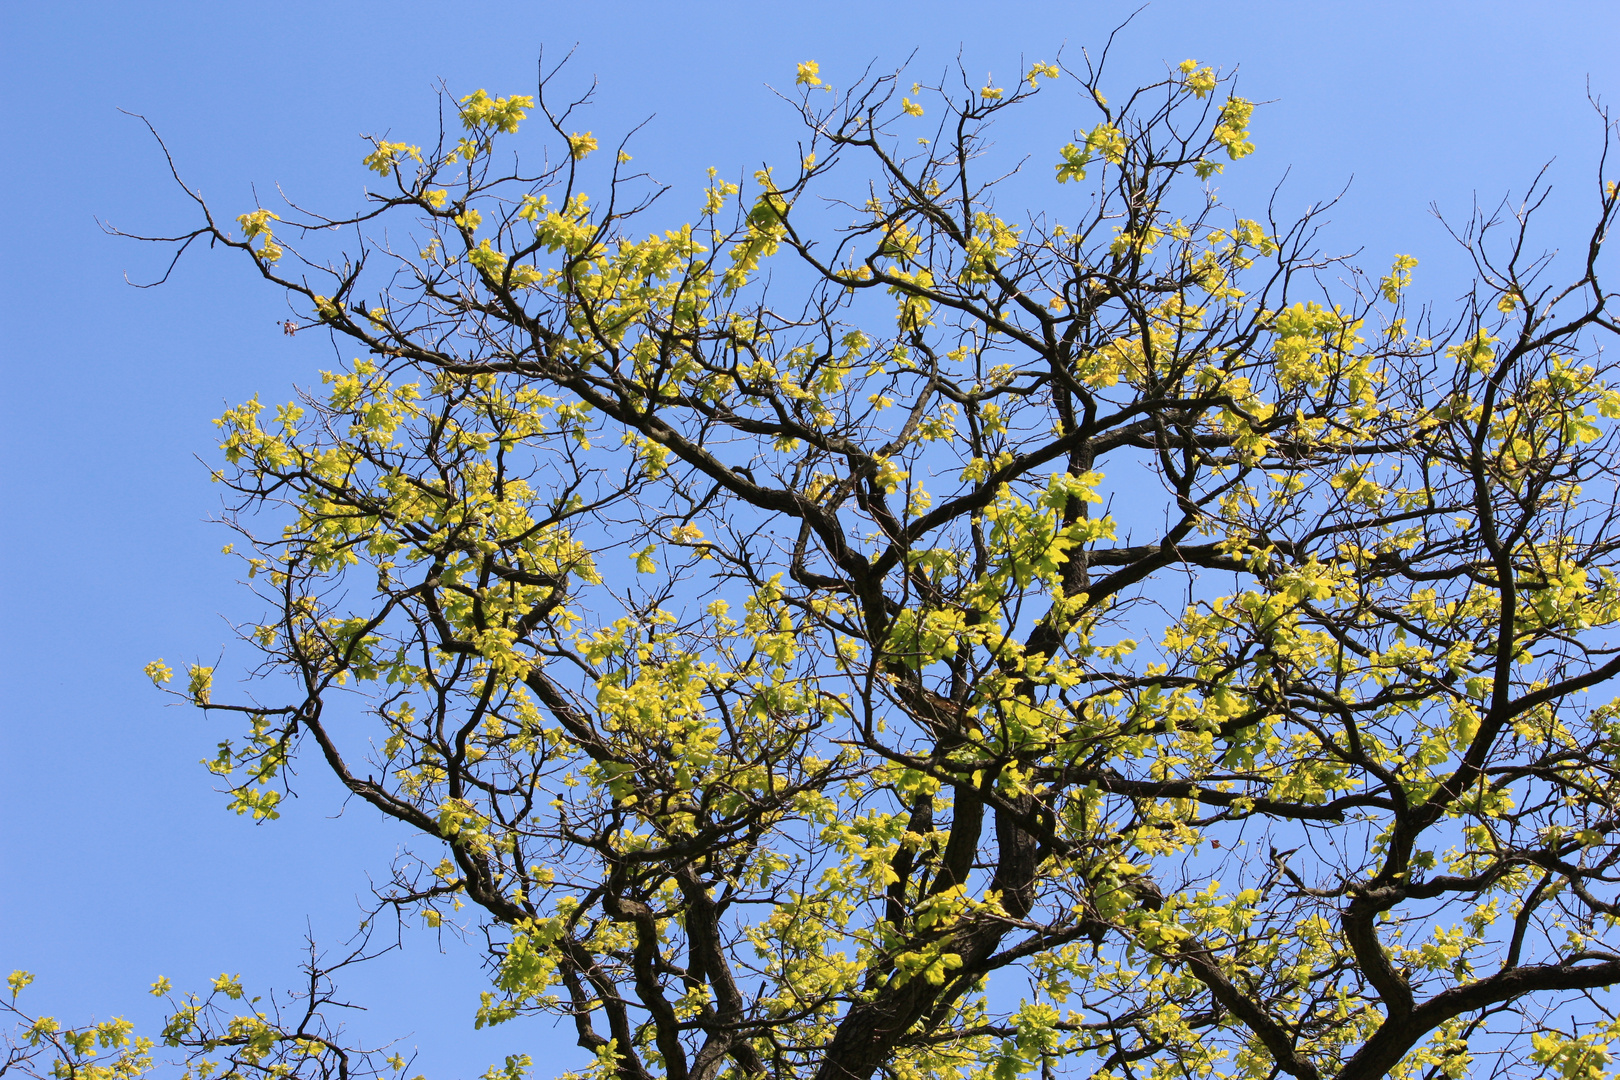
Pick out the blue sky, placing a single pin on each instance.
(119, 862)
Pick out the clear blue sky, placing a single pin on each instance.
(118, 861)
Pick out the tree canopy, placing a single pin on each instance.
(869, 632)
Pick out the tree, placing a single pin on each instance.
(863, 633)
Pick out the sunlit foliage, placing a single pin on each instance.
(864, 631)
